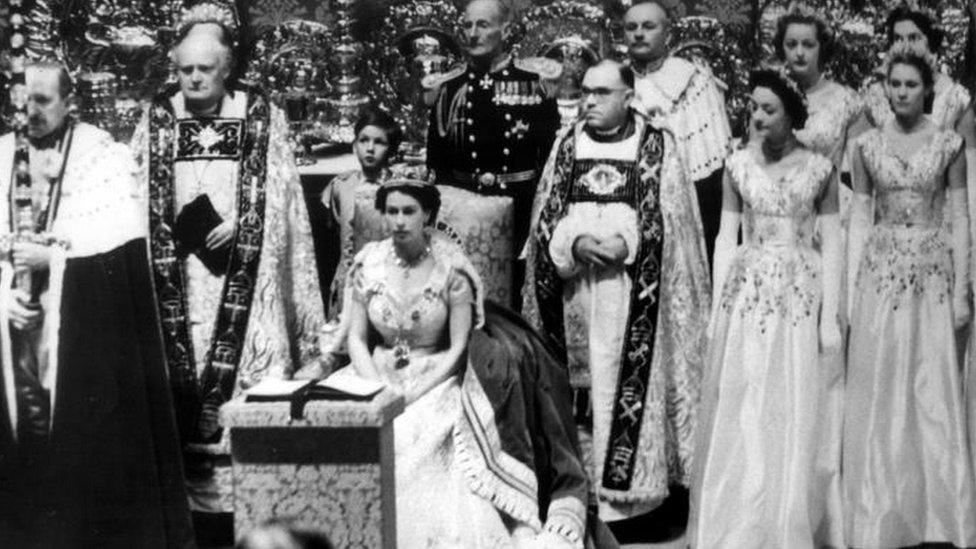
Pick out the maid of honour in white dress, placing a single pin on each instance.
(760, 428)
(908, 474)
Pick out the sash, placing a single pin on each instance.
(196, 402)
(645, 272)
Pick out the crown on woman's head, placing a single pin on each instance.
(209, 12)
(414, 175)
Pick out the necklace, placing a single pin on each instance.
(408, 264)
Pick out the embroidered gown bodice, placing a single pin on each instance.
(907, 250)
(777, 262)
(417, 319)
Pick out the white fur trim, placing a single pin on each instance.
(492, 474)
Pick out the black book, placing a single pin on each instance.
(193, 224)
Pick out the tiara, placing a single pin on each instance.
(784, 75)
(903, 49)
(801, 9)
(913, 5)
(209, 12)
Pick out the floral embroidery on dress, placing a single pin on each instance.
(900, 262)
(776, 271)
(907, 253)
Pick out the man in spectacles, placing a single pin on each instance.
(618, 281)
(689, 97)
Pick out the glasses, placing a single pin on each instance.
(600, 93)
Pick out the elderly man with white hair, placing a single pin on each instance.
(236, 288)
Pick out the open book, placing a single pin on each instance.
(343, 384)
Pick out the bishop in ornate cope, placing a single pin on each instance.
(231, 250)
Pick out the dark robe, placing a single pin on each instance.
(530, 393)
(111, 475)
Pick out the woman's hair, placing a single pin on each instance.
(924, 23)
(794, 102)
(382, 120)
(424, 193)
(825, 35)
(907, 57)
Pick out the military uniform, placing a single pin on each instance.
(491, 131)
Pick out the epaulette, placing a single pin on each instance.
(547, 69)
(436, 80)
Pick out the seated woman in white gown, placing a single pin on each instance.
(774, 310)
(470, 469)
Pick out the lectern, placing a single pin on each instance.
(325, 466)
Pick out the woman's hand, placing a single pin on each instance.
(829, 335)
(319, 369)
(961, 313)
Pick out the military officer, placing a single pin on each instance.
(493, 122)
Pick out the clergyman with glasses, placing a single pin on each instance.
(617, 279)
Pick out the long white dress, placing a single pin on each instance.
(908, 476)
(760, 428)
(833, 110)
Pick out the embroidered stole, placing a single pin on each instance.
(216, 383)
(645, 272)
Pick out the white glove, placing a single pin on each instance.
(726, 244)
(857, 237)
(961, 312)
(830, 254)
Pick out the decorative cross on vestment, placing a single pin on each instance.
(209, 138)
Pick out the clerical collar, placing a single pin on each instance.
(214, 113)
(52, 140)
(619, 133)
